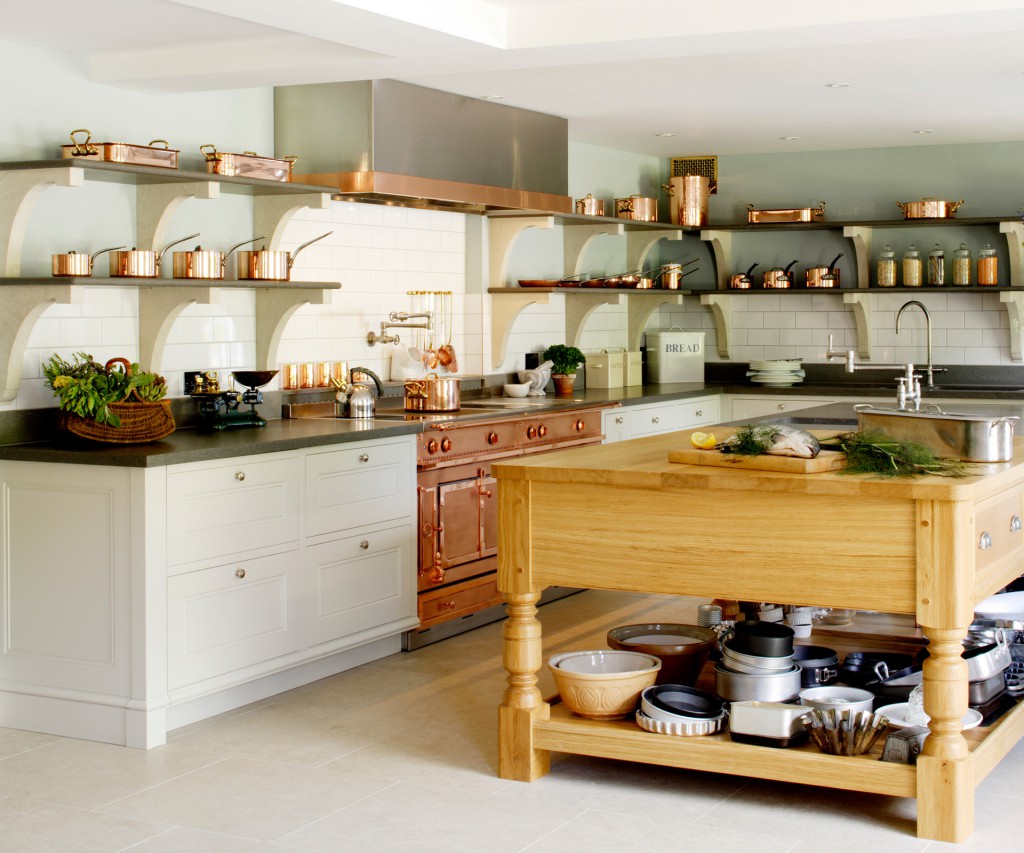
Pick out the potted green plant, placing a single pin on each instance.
(564, 361)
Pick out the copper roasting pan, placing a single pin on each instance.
(155, 154)
(247, 165)
(786, 214)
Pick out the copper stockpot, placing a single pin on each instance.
(929, 208)
(203, 263)
(75, 264)
(433, 394)
(140, 263)
(688, 199)
(590, 206)
(271, 264)
(640, 208)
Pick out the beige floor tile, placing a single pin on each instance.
(428, 816)
(196, 841)
(613, 832)
(86, 775)
(27, 826)
(182, 731)
(249, 799)
(13, 741)
(1007, 776)
(996, 827)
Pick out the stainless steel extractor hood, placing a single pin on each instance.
(389, 142)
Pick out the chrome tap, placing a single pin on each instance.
(930, 370)
(849, 356)
(908, 389)
(399, 320)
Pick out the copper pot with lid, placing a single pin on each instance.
(590, 206)
(204, 263)
(640, 208)
(824, 276)
(778, 278)
(929, 208)
(140, 263)
(433, 394)
(77, 264)
(271, 264)
(742, 281)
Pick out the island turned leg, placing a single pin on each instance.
(522, 702)
(945, 786)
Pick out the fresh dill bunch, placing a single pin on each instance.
(873, 452)
(751, 440)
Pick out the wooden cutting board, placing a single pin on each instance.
(826, 460)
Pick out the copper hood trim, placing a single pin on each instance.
(432, 193)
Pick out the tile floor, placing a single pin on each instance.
(400, 755)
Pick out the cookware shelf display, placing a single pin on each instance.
(161, 300)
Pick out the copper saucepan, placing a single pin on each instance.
(270, 264)
(590, 206)
(929, 208)
(203, 263)
(139, 263)
(640, 208)
(742, 281)
(433, 394)
(76, 264)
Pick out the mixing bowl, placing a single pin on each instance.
(682, 649)
(601, 684)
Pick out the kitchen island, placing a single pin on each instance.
(623, 517)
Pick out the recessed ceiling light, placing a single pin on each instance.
(837, 85)
(924, 131)
(492, 97)
(788, 138)
(664, 135)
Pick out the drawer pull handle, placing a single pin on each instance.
(986, 541)
(618, 420)
(364, 544)
(363, 457)
(447, 605)
(1015, 524)
(239, 475)
(239, 573)
(782, 407)
(655, 420)
(700, 414)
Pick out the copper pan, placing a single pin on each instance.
(76, 264)
(140, 263)
(640, 208)
(270, 264)
(929, 208)
(203, 263)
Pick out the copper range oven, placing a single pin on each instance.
(458, 512)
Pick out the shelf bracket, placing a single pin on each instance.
(19, 192)
(639, 244)
(22, 307)
(861, 304)
(503, 233)
(860, 236)
(1015, 311)
(272, 213)
(577, 236)
(639, 311)
(155, 205)
(1014, 232)
(721, 251)
(721, 309)
(274, 308)
(579, 307)
(159, 307)
(505, 309)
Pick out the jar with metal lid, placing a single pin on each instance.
(988, 265)
(962, 265)
(913, 267)
(936, 266)
(887, 267)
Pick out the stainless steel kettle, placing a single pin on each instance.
(354, 398)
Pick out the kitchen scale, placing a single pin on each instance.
(223, 409)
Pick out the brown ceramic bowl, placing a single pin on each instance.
(682, 649)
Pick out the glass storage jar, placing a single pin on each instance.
(988, 265)
(887, 267)
(936, 266)
(962, 265)
(913, 267)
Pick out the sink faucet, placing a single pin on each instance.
(929, 370)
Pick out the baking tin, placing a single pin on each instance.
(765, 639)
(771, 687)
(819, 666)
(760, 216)
(681, 728)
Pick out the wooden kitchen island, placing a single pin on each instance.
(621, 516)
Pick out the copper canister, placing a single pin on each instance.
(640, 208)
(590, 206)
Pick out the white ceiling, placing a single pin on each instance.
(726, 77)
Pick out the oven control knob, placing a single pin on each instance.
(432, 446)
(580, 425)
(542, 431)
(492, 438)
(446, 444)
(531, 432)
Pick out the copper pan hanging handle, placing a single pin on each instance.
(293, 255)
(83, 149)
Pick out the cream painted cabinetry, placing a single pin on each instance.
(655, 418)
(138, 600)
(744, 407)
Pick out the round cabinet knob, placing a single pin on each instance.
(447, 605)
(446, 444)
(655, 420)
(531, 432)
(618, 420)
(363, 457)
(580, 425)
(782, 407)
(492, 438)
(1015, 524)
(542, 431)
(985, 542)
(239, 475)
(239, 573)
(432, 446)
(699, 413)
(364, 544)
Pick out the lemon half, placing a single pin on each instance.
(703, 440)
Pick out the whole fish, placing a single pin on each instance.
(776, 440)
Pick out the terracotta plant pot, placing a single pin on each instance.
(563, 383)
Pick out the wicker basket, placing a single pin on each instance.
(140, 421)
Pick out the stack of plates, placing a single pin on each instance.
(779, 372)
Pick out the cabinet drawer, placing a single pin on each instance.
(231, 616)
(219, 511)
(652, 420)
(698, 412)
(360, 582)
(363, 484)
(459, 600)
(997, 526)
(743, 408)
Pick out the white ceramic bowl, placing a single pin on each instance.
(1005, 605)
(839, 698)
(603, 684)
(517, 389)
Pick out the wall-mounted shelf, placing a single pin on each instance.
(159, 193)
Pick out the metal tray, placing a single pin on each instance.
(972, 438)
(247, 165)
(786, 214)
(121, 152)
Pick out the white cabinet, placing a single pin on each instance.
(744, 407)
(656, 418)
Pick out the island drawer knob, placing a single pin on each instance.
(239, 475)
(1015, 524)
(364, 544)
(363, 457)
(986, 541)
(239, 573)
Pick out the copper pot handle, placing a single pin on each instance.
(158, 143)
(903, 205)
(293, 255)
(83, 149)
(624, 205)
(160, 254)
(94, 255)
(954, 206)
(416, 389)
(212, 153)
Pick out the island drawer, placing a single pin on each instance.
(997, 527)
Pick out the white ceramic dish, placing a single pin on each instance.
(897, 716)
(840, 698)
(514, 389)
(766, 719)
(1004, 605)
